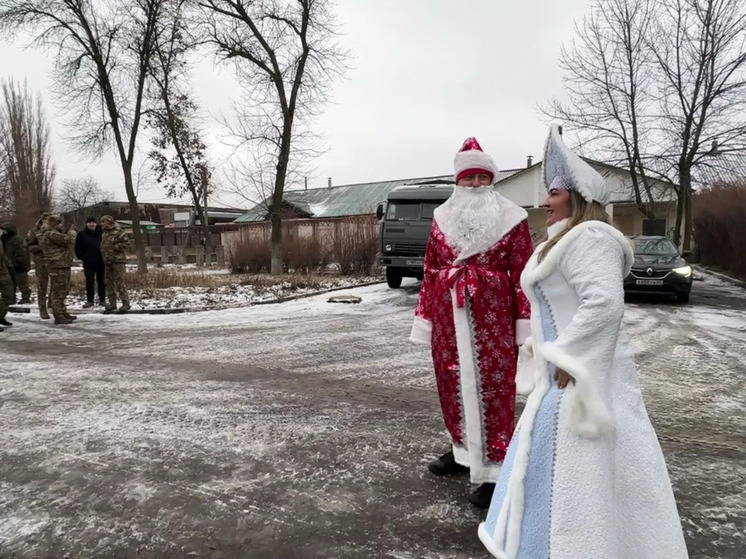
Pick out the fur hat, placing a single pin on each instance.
(470, 160)
(564, 169)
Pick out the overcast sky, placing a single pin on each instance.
(426, 74)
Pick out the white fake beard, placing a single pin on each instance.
(470, 219)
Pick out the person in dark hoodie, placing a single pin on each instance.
(20, 263)
(88, 251)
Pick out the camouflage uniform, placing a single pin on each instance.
(33, 247)
(58, 253)
(114, 247)
(19, 259)
(6, 284)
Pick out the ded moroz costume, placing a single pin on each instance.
(472, 313)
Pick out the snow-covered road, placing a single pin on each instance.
(304, 430)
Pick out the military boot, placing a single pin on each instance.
(4, 322)
(62, 320)
(43, 312)
(70, 316)
(111, 307)
(124, 308)
(24, 301)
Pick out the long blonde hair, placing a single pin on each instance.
(580, 211)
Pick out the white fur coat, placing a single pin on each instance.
(584, 476)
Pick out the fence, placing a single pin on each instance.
(190, 237)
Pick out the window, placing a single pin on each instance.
(403, 210)
(655, 247)
(655, 227)
(429, 207)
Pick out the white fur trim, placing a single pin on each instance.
(474, 159)
(589, 415)
(480, 471)
(526, 368)
(489, 543)
(422, 331)
(544, 268)
(522, 330)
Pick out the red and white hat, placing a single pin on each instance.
(470, 160)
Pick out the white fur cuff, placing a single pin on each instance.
(589, 415)
(522, 331)
(422, 331)
(525, 380)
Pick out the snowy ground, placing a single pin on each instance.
(303, 430)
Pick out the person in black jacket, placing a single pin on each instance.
(88, 250)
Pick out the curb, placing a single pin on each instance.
(181, 310)
(734, 281)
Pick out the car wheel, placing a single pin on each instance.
(393, 277)
(682, 297)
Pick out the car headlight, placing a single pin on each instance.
(685, 271)
(388, 248)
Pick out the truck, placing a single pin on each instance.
(405, 222)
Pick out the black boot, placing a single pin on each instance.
(5, 322)
(481, 497)
(70, 316)
(87, 304)
(446, 466)
(62, 319)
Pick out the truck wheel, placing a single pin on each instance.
(393, 277)
(682, 298)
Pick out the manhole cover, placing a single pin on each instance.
(345, 299)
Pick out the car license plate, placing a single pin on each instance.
(649, 282)
(415, 262)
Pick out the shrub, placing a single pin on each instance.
(299, 255)
(720, 228)
(355, 248)
(304, 255)
(249, 256)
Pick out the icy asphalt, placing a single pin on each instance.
(303, 430)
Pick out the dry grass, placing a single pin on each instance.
(164, 278)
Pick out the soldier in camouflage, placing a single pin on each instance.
(21, 264)
(57, 244)
(33, 247)
(114, 247)
(6, 287)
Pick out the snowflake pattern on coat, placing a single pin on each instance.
(488, 286)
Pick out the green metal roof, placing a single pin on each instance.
(345, 200)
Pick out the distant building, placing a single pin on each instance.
(156, 214)
(307, 211)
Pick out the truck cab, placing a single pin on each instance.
(405, 222)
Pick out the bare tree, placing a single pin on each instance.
(179, 154)
(702, 63)
(76, 194)
(653, 85)
(26, 168)
(608, 73)
(103, 53)
(286, 55)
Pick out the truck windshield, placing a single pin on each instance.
(404, 210)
